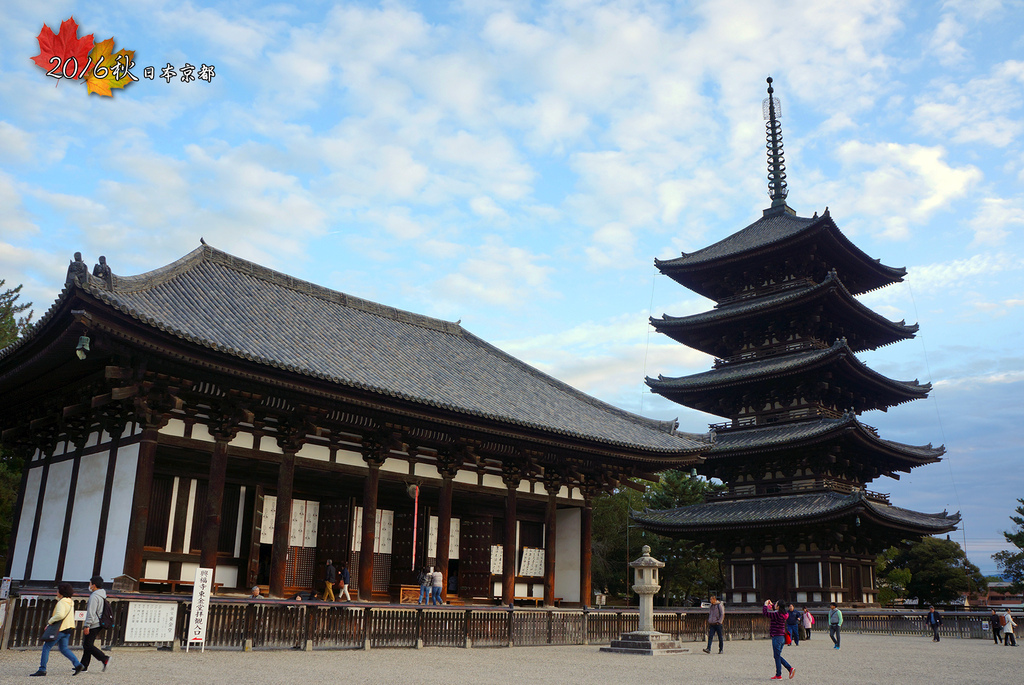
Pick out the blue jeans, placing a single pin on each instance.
(424, 595)
(712, 630)
(778, 642)
(435, 595)
(794, 632)
(62, 645)
(833, 632)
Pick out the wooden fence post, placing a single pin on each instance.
(419, 628)
(511, 641)
(366, 628)
(469, 641)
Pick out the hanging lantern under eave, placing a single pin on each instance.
(83, 346)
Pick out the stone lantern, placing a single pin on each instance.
(645, 639)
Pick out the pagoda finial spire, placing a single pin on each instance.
(777, 189)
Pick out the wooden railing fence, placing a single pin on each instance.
(238, 624)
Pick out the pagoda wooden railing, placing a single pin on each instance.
(817, 485)
(766, 290)
(234, 624)
(769, 352)
(771, 419)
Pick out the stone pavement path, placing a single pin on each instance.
(863, 660)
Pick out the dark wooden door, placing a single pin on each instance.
(773, 584)
(475, 557)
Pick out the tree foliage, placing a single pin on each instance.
(11, 327)
(939, 571)
(892, 581)
(1012, 563)
(691, 569)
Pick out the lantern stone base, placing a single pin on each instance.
(646, 642)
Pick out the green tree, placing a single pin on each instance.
(939, 571)
(11, 327)
(892, 581)
(1009, 562)
(690, 568)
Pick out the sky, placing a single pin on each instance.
(518, 166)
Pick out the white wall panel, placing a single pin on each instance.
(28, 515)
(85, 519)
(120, 511)
(51, 525)
(567, 554)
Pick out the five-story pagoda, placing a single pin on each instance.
(797, 522)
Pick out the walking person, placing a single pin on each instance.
(808, 621)
(716, 615)
(344, 577)
(1008, 625)
(997, 626)
(330, 578)
(93, 629)
(64, 612)
(436, 582)
(423, 578)
(777, 632)
(793, 625)
(934, 620)
(835, 623)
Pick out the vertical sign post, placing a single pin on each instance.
(200, 607)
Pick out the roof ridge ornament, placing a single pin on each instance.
(777, 188)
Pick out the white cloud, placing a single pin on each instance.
(902, 184)
(994, 218)
(498, 274)
(940, 276)
(15, 220)
(945, 41)
(982, 110)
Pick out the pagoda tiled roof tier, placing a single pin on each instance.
(234, 307)
(746, 441)
(863, 328)
(710, 390)
(782, 511)
(718, 270)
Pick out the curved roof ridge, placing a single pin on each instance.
(206, 253)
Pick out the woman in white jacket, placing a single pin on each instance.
(65, 613)
(1008, 637)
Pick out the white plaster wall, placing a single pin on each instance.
(28, 514)
(120, 511)
(85, 519)
(350, 458)
(243, 440)
(465, 477)
(51, 525)
(154, 570)
(200, 431)
(268, 443)
(429, 471)
(226, 575)
(567, 554)
(93, 440)
(491, 481)
(311, 451)
(175, 427)
(395, 465)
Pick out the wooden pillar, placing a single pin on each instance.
(586, 524)
(282, 522)
(214, 503)
(444, 530)
(511, 476)
(552, 485)
(140, 501)
(369, 530)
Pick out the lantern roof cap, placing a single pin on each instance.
(646, 560)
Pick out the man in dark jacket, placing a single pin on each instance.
(934, 620)
(996, 627)
(793, 624)
(330, 578)
(716, 616)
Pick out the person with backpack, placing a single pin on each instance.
(98, 613)
(1008, 625)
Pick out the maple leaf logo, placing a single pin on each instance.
(64, 51)
(109, 70)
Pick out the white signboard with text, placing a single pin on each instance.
(150, 622)
(200, 608)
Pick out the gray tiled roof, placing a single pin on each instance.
(737, 310)
(241, 309)
(761, 233)
(782, 435)
(777, 510)
(782, 365)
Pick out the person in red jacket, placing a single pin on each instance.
(777, 632)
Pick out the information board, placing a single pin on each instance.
(150, 622)
(200, 608)
(533, 562)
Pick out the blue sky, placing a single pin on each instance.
(519, 166)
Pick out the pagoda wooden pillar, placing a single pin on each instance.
(214, 503)
(586, 526)
(282, 522)
(140, 501)
(374, 459)
(511, 477)
(552, 484)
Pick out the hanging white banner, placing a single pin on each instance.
(200, 608)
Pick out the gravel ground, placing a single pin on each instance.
(864, 659)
